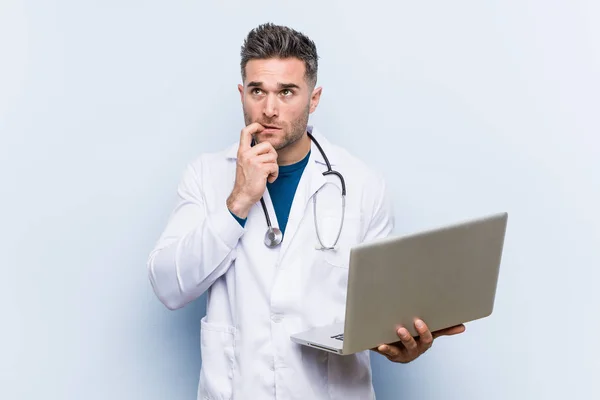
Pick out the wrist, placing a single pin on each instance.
(238, 205)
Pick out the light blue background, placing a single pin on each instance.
(468, 107)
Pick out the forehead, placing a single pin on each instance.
(276, 70)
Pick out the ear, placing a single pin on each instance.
(314, 99)
(241, 89)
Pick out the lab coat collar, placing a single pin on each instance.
(311, 181)
(231, 152)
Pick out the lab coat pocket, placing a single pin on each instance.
(217, 347)
(350, 377)
(340, 255)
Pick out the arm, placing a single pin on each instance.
(195, 249)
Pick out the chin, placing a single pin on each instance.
(276, 141)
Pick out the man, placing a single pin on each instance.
(261, 291)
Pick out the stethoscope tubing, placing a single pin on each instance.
(273, 236)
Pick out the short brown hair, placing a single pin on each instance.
(276, 41)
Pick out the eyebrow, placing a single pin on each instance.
(279, 85)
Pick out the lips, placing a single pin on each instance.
(270, 130)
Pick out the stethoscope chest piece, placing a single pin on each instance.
(273, 237)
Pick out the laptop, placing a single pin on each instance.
(446, 276)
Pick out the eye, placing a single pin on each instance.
(256, 91)
(287, 92)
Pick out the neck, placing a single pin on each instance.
(294, 152)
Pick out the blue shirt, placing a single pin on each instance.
(282, 191)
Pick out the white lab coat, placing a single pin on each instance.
(258, 296)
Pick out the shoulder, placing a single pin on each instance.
(209, 167)
(213, 161)
(367, 193)
(359, 167)
(362, 179)
(357, 170)
(367, 189)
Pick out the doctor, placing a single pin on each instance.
(259, 227)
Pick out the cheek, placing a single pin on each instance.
(251, 110)
(291, 114)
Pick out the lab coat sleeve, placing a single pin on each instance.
(196, 247)
(380, 212)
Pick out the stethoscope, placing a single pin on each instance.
(273, 237)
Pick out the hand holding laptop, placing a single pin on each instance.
(409, 348)
(446, 276)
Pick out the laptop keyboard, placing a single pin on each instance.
(338, 337)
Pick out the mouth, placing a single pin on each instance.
(269, 129)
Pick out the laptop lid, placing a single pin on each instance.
(445, 276)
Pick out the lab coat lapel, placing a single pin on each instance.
(311, 181)
(270, 210)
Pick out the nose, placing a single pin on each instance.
(270, 109)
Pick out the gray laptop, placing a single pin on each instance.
(446, 276)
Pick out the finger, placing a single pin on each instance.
(266, 158)
(389, 351)
(273, 170)
(246, 134)
(425, 336)
(262, 148)
(408, 341)
(453, 330)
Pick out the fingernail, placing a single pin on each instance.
(419, 324)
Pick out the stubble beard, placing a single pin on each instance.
(292, 131)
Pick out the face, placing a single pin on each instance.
(276, 95)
